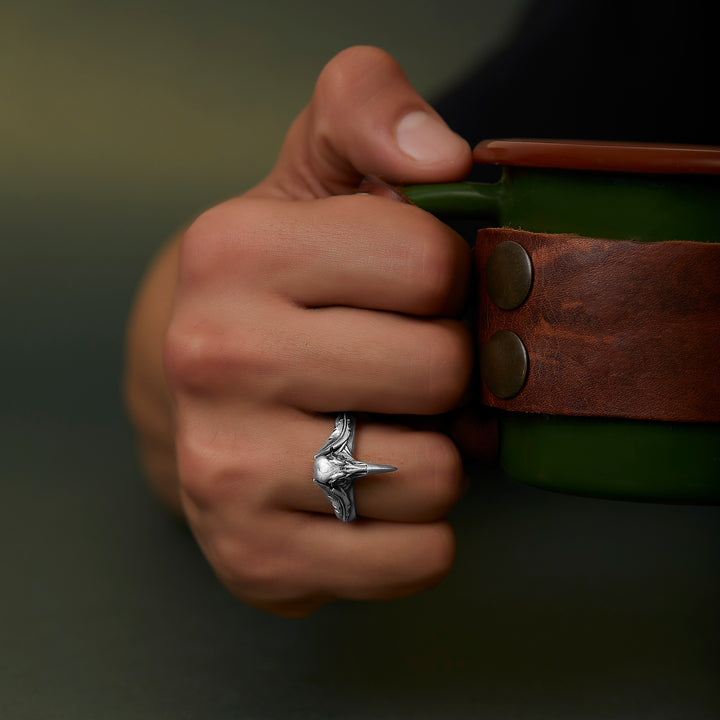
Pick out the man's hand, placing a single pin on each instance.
(294, 302)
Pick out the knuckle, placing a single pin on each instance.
(207, 471)
(263, 577)
(441, 273)
(225, 238)
(449, 365)
(338, 78)
(194, 463)
(345, 107)
(203, 357)
(201, 246)
(181, 356)
(247, 569)
(439, 553)
(192, 356)
(446, 476)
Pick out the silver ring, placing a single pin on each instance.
(335, 469)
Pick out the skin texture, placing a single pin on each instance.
(274, 311)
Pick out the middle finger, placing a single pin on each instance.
(329, 358)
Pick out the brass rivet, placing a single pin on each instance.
(504, 364)
(508, 275)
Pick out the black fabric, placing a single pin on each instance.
(618, 70)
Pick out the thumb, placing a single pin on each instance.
(365, 119)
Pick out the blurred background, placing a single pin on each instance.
(119, 121)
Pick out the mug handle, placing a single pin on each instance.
(457, 200)
(447, 200)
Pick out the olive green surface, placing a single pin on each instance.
(119, 122)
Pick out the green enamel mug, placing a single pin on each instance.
(619, 192)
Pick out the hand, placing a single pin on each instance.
(301, 299)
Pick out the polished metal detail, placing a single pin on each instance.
(336, 470)
(508, 275)
(504, 364)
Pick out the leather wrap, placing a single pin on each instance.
(612, 328)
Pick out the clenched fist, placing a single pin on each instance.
(278, 309)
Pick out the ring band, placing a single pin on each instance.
(335, 469)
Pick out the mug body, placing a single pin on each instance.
(613, 457)
(629, 193)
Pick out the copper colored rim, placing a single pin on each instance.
(599, 155)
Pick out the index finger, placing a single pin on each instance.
(353, 250)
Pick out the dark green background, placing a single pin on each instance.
(118, 122)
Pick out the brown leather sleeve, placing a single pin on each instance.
(612, 328)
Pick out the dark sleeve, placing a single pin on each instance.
(617, 70)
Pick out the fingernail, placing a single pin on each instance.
(426, 138)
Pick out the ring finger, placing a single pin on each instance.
(277, 454)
